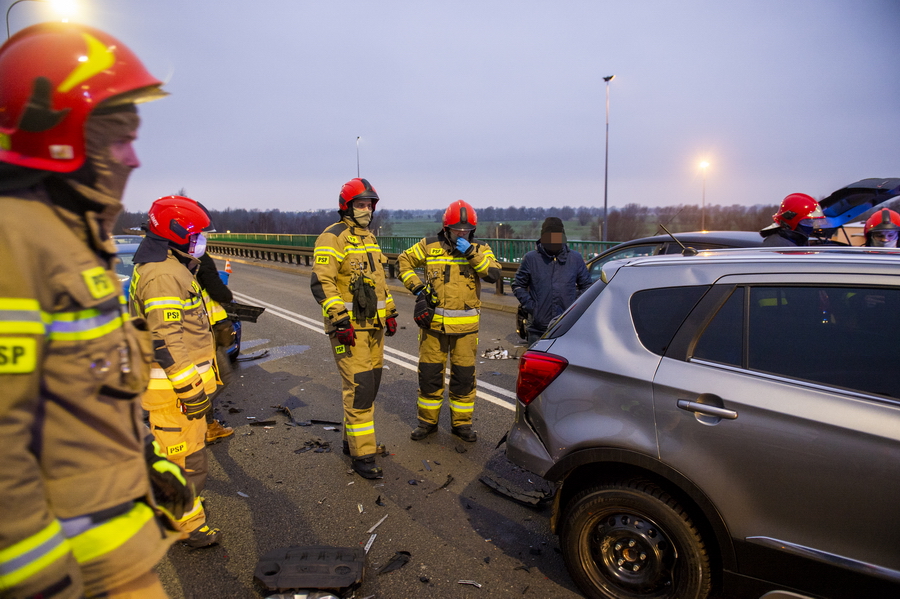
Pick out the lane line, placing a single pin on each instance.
(403, 359)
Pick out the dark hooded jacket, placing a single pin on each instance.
(546, 285)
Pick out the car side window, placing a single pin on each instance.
(629, 252)
(723, 339)
(658, 313)
(837, 336)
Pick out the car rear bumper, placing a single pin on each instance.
(524, 448)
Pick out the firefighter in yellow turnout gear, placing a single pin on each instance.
(165, 292)
(348, 282)
(448, 308)
(77, 511)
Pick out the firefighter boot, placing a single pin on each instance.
(465, 433)
(203, 537)
(423, 430)
(364, 465)
(215, 430)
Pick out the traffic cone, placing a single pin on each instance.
(228, 266)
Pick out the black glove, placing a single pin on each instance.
(171, 490)
(423, 313)
(390, 326)
(344, 332)
(195, 406)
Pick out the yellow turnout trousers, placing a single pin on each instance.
(360, 367)
(434, 348)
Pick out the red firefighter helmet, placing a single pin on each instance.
(883, 220)
(52, 75)
(460, 215)
(177, 218)
(797, 208)
(356, 189)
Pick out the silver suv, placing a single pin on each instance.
(725, 424)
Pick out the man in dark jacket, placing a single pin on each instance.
(549, 278)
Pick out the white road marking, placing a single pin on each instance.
(392, 355)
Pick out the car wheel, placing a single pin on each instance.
(631, 539)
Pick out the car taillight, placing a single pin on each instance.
(536, 371)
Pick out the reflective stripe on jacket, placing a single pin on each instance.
(72, 367)
(169, 297)
(455, 278)
(343, 253)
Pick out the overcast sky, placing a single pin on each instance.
(503, 102)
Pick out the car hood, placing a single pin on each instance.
(859, 200)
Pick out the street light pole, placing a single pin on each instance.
(703, 166)
(605, 234)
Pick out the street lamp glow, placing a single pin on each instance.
(65, 8)
(704, 164)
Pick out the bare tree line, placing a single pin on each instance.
(626, 222)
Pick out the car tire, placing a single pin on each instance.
(630, 540)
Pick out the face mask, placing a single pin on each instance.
(197, 245)
(362, 217)
(885, 240)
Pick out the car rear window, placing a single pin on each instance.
(658, 313)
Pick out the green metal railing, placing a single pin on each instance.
(506, 250)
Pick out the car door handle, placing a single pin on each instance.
(702, 408)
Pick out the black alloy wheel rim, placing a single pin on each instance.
(631, 553)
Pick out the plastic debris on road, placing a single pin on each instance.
(469, 582)
(497, 353)
(510, 491)
(369, 543)
(399, 560)
(318, 567)
(316, 446)
(377, 524)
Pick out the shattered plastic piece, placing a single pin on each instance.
(471, 582)
(360, 507)
(413, 481)
(526, 568)
(330, 428)
(497, 353)
(502, 440)
(379, 501)
(424, 579)
(443, 486)
(377, 524)
(369, 543)
(487, 560)
(286, 411)
(263, 423)
(242, 494)
(398, 561)
(315, 445)
(313, 567)
(461, 449)
(425, 463)
(510, 491)
(314, 421)
(234, 410)
(253, 357)
(303, 423)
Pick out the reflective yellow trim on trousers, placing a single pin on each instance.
(462, 407)
(358, 430)
(110, 535)
(29, 556)
(198, 507)
(430, 404)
